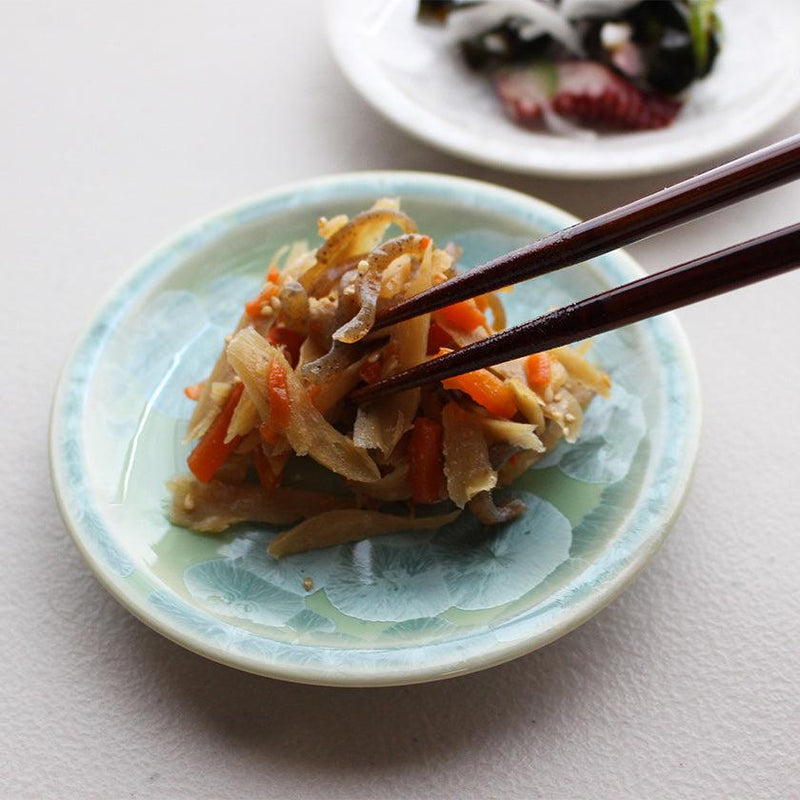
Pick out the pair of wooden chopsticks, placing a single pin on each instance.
(699, 279)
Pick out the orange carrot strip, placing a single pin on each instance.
(253, 307)
(487, 390)
(425, 460)
(274, 275)
(278, 391)
(268, 435)
(438, 338)
(211, 451)
(266, 475)
(537, 370)
(464, 315)
(288, 340)
(194, 392)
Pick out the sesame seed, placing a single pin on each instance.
(308, 584)
(188, 502)
(266, 311)
(569, 417)
(275, 303)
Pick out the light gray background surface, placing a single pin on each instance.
(121, 122)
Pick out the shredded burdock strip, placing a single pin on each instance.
(340, 527)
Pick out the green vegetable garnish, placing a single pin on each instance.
(703, 22)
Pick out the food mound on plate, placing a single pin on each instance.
(602, 64)
(281, 389)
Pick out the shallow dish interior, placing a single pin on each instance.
(400, 608)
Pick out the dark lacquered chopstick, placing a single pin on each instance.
(731, 268)
(764, 169)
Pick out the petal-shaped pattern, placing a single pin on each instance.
(486, 567)
(612, 431)
(374, 581)
(226, 587)
(425, 627)
(590, 537)
(290, 574)
(308, 620)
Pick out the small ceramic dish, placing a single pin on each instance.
(410, 74)
(396, 609)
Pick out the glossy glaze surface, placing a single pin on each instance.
(402, 608)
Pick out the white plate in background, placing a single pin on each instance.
(410, 74)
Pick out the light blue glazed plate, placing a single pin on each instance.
(403, 608)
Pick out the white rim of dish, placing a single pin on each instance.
(575, 615)
(393, 105)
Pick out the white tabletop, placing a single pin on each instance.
(123, 121)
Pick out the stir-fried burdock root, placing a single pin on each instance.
(281, 387)
(212, 507)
